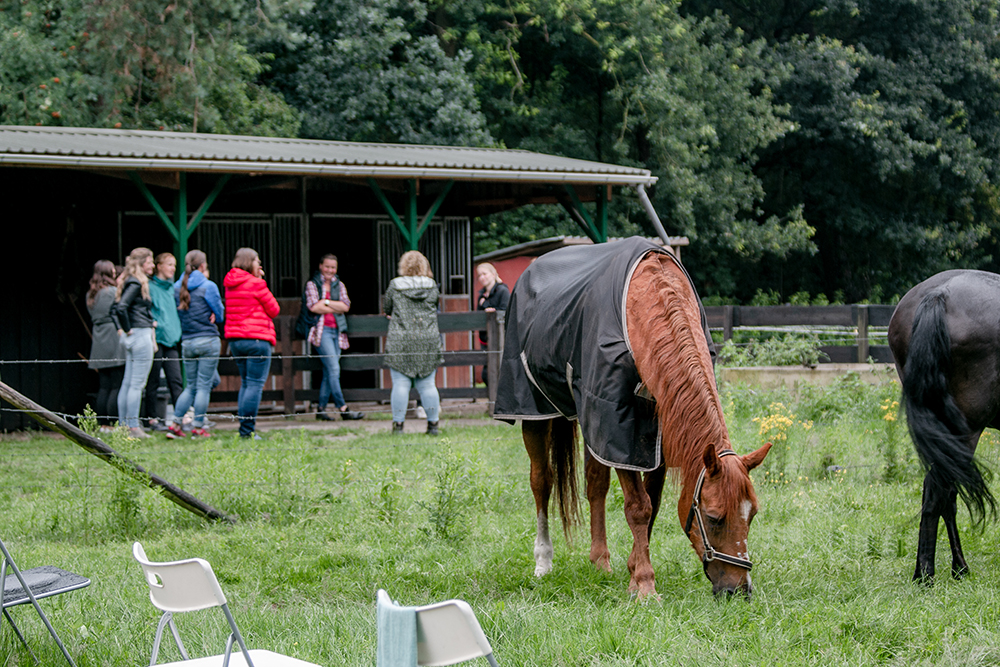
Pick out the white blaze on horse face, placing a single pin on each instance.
(543, 546)
(745, 508)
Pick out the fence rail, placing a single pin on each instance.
(285, 363)
(858, 317)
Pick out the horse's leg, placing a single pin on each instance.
(653, 482)
(598, 481)
(959, 568)
(930, 513)
(638, 511)
(535, 435)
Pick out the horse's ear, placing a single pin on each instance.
(754, 459)
(711, 459)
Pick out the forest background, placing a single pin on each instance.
(842, 148)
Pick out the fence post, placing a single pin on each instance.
(727, 322)
(287, 374)
(493, 347)
(862, 321)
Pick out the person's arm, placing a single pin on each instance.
(313, 302)
(504, 297)
(387, 301)
(120, 311)
(267, 301)
(343, 303)
(214, 301)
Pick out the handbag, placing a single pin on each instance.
(306, 319)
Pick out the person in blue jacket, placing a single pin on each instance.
(199, 305)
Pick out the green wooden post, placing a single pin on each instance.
(596, 235)
(412, 229)
(602, 212)
(181, 219)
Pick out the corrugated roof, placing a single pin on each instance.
(134, 149)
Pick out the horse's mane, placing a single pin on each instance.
(673, 360)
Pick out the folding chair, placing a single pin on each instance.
(190, 585)
(31, 586)
(445, 633)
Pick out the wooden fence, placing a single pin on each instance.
(857, 317)
(285, 363)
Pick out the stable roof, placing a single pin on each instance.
(140, 150)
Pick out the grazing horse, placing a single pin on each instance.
(613, 336)
(945, 337)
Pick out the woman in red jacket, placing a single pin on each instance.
(250, 313)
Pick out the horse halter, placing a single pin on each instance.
(710, 554)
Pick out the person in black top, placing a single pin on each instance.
(133, 317)
(493, 296)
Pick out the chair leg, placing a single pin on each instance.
(34, 602)
(239, 639)
(17, 632)
(491, 660)
(166, 620)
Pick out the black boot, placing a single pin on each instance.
(432, 428)
(397, 427)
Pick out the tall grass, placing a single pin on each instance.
(327, 519)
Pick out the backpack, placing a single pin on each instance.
(306, 319)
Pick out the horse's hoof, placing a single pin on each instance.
(543, 569)
(959, 573)
(924, 579)
(603, 563)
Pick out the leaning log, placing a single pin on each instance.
(102, 451)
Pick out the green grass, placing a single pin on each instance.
(327, 519)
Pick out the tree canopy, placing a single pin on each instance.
(820, 145)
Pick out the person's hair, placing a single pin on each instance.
(327, 256)
(133, 269)
(244, 259)
(192, 261)
(492, 269)
(413, 263)
(104, 276)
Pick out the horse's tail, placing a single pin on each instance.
(562, 459)
(939, 430)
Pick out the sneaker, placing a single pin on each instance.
(199, 432)
(208, 424)
(157, 426)
(351, 414)
(174, 432)
(432, 428)
(397, 427)
(137, 433)
(323, 417)
(253, 435)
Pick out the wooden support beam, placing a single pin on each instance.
(102, 451)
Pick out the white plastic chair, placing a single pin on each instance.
(190, 585)
(447, 632)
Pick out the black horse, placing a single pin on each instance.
(945, 336)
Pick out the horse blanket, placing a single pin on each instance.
(566, 352)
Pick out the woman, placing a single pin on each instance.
(413, 346)
(168, 339)
(133, 317)
(250, 309)
(327, 297)
(493, 296)
(200, 308)
(107, 354)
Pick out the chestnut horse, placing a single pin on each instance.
(946, 344)
(717, 501)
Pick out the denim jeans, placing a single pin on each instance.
(138, 361)
(201, 359)
(329, 348)
(253, 358)
(401, 395)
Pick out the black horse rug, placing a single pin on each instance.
(566, 352)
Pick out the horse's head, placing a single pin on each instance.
(716, 509)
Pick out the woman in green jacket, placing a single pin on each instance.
(168, 341)
(413, 347)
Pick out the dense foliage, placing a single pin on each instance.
(805, 145)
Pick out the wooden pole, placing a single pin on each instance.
(96, 447)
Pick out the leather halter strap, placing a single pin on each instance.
(709, 553)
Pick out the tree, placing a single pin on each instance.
(366, 72)
(142, 64)
(893, 157)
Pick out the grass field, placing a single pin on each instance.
(328, 518)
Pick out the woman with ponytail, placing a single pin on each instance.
(199, 305)
(107, 355)
(133, 317)
(168, 341)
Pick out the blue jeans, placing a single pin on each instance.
(329, 348)
(401, 395)
(138, 361)
(253, 358)
(201, 359)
